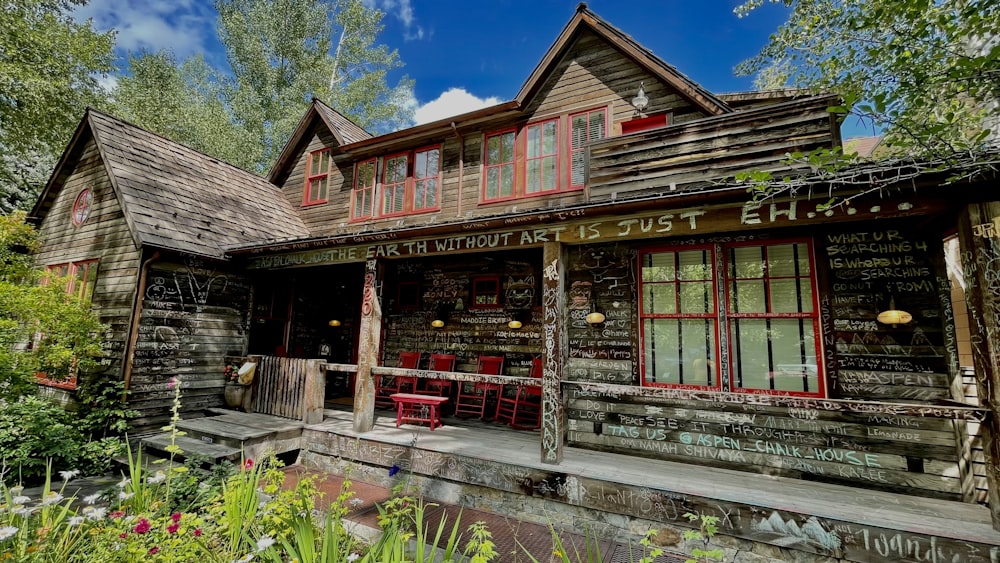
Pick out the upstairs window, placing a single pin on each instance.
(584, 127)
(81, 207)
(82, 277)
(363, 194)
(426, 179)
(542, 157)
(499, 166)
(394, 185)
(317, 177)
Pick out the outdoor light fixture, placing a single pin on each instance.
(640, 101)
(595, 317)
(893, 316)
(334, 323)
(514, 324)
(437, 323)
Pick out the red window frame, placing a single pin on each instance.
(431, 200)
(394, 189)
(81, 206)
(363, 197)
(320, 177)
(81, 286)
(541, 156)
(729, 318)
(494, 302)
(500, 166)
(575, 150)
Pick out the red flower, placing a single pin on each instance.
(142, 527)
(248, 464)
(176, 517)
(117, 514)
(173, 528)
(123, 535)
(197, 532)
(154, 550)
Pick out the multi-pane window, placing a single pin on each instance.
(768, 323)
(81, 277)
(584, 127)
(363, 194)
(426, 179)
(542, 157)
(317, 177)
(394, 185)
(499, 166)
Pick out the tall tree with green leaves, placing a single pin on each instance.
(49, 71)
(927, 71)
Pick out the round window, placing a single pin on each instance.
(81, 207)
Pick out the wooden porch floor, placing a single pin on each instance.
(777, 508)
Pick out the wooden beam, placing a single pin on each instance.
(979, 236)
(553, 351)
(315, 389)
(369, 343)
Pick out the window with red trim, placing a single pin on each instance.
(769, 322)
(485, 292)
(81, 206)
(541, 160)
(426, 179)
(498, 162)
(584, 127)
(81, 277)
(394, 185)
(363, 194)
(317, 177)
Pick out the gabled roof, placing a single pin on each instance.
(176, 198)
(343, 129)
(686, 87)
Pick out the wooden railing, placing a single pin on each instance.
(458, 376)
(292, 387)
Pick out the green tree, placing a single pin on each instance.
(49, 71)
(926, 71)
(42, 328)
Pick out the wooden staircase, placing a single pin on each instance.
(228, 435)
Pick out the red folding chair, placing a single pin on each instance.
(472, 396)
(387, 385)
(523, 409)
(439, 387)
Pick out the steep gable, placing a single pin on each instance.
(318, 116)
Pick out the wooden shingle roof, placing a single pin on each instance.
(343, 129)
(349, 131)
(177, 198)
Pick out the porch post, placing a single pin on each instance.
(554, 346)
(979, 236)
(369, 342)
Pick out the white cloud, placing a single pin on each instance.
(403, 11)
(453, 101)
(179, 26)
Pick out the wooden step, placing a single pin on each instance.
(226, 432)
(157, 445)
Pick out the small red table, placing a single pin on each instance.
(418, 408)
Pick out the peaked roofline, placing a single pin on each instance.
(686, 87)
(300, 130)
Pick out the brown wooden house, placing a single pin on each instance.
(593, 223)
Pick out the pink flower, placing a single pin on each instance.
(142, 527)
(171, 382)
(248, 464)
(123, 535)
(154, 550)
(173, 528)
(176, 517)
(117, 514)
(197, 532)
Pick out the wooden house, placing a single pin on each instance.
(593, 223)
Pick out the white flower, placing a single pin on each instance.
(91, 499)
(355, 502)
(7, 532)
(203, 486)
(247, 559)
(67, 475)
(124, 483)
(76, 520)
(158, 478)
(97, 513)
(125, 496)
(23, 512)
(16, 490)
(20, 499)
(264, 542)
(353, 557)
(52, 498)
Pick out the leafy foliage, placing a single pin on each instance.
(929, 72)
(49, 71)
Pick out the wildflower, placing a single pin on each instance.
(393, 470)
(97, 513)
(7, 532)
(353, 557)
(76, 520)
(197, 532)
(16, 490)
(172, 529)
(125, 496)
(355, 502)
(142, 527)
(158, 478)
(172, 382)
(117, 514)
(20, 499)
(264, 542)
(154, 550)
(203, 486)
(124, 483)
(247, 559)
(176, 517)
(52, 498)
(23, 511)
(91, 499)
(123, 535)
(248, 464)
(67, 475)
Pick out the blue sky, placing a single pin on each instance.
(470, 53)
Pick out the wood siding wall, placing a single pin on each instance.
(193, 314)
(104, 236)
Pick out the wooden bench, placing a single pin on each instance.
(418, 408)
